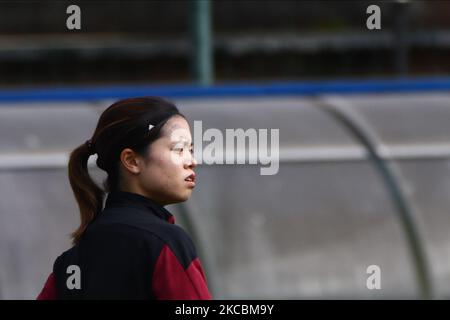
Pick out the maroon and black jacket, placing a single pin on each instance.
(132, 250)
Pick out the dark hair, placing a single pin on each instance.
(125, 124)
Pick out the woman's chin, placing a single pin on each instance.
(182, 197)
(186, 196)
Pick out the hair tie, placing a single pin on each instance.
(90, 147)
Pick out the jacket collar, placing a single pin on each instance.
(123, 198)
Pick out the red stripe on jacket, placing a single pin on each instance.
(49, 290)
(172, 282)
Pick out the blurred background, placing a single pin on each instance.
(363, 115)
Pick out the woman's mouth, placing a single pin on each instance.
(191, 180)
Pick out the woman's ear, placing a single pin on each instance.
(130, 160)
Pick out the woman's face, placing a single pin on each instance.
(167, 175)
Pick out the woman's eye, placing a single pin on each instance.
(180, 150)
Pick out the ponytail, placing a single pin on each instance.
(88, 194)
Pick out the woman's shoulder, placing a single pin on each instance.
(142, 225)
(175, 236)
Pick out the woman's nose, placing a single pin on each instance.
(191, 162)
(194, 162)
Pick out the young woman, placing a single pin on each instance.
(131, 247)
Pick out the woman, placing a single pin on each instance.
(131, 248)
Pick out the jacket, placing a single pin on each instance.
(132, 250)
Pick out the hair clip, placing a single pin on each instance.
(150, 126)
